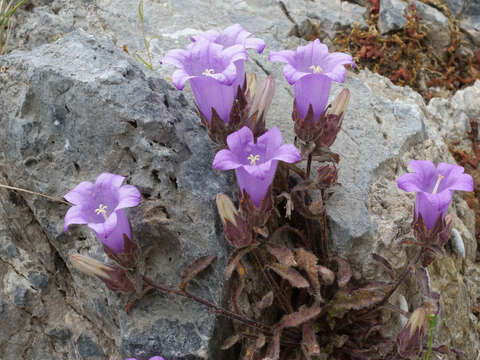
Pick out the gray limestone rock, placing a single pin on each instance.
(391, 15)
(471, 21)
(74, 109)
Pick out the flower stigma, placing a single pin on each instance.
(435, 189)
(208, 72)
(253, 159)
(316, 69)
(102, 209)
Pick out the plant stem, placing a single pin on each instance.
(34, 193)
(273, 285)
(214, 308)
(430, 337)
(309, 165)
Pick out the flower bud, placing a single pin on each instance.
(340, 103)
(113, 276)
(263, 99)
(326, 176)
(251, 85)
(237, 232)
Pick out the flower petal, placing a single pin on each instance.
(255, 43)
(427, 174)
(292, 74)
(105, 228)
(106, 180)
(114, 239)
(409, 182)
(240, 139)
(75, 215)
(313, 89)
(431, 206)
(261, 171)
(287, 153)
(128, 196)
(176, 57)
(284, 56)
(225, 160)
(454, 178)
(179, 78)
(209, 93)
(271, 141)
(256, 185)
(82, 193)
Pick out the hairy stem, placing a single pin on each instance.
(34, 193)
(214, 308)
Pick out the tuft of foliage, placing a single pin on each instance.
(7, 10)
(401, 56)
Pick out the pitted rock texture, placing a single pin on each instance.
(71, 110)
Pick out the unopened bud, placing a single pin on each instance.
(251, 84)
(340, 103)
(226, 209)
(115, 277)
(90, 266)
(263, 98)
(326, 176)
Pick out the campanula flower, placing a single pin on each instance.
(311, 69)
(212, 72)
(230, 36)
(255, 163)
(434, 187)
(101, 206)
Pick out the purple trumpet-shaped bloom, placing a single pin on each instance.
(101, 206)
(255, 163)
(434, 187)
(212, 72)
(230, 36)
(311, 69)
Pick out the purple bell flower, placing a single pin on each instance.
(311, 69)
(434, 187)
(255, 163)
(230, 36)
(101, 205)
(212, 72)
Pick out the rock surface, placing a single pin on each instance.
(385, 127)
(391, 15)
(72, 110)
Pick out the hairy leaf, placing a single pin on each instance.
(307, 261)
(345, 300)
(238, 286)
(290, 274)
(385, 264)
(229, 342)
(195, 268)
(344, 272)
(266, 301)
(283, 254)
(236, 256)
(309, 339)
(327, 275)
(299, 317)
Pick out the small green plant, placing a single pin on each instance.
(148, 62)
(432, 321)
(7, 10)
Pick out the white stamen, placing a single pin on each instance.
(102, 210)
(435, 189)
(316, 69)
(253, 159)
(208, 72)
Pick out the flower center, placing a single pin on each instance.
(316, 69)
(435, 189)
(208, 72)
(253, 159)
(102, 210)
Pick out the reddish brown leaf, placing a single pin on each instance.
(283, 254)
(266, 301)
(299, 317)
(307, 261)
(309, 339)
(290, 274)
(236, 256)
(326, 275)
(194, 269)
(238, 287)
(229, 342)
(345, 300)
(344, 272)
